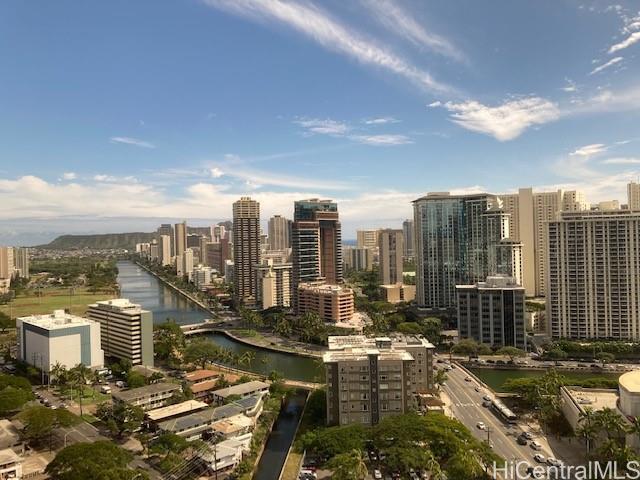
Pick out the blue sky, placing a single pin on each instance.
(117, 115)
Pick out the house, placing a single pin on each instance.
(243, 390)
(158, 415)
(227, 454)
(148, 397)
(10, 464)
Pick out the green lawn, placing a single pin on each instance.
(52, 299)
(89, 395)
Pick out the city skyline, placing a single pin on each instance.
(370, 104)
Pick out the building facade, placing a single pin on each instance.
(390, 255)
(275, 285)
(246, 249)
(493, 312)
(180, 238)
(332, 303)
(279, 233)
(633, 196)
(357, 258)
(7, 264)
(367, 238)
(594, 275)
(44, 340)
(126, 330)
(369, 379)
(164, 250)
(409, 234)
(21, 261)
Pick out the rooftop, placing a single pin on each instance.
(242, 389)
(594, 398)
(57, 320)
(357, 354)
(344, 342)
(177, 409)
(324, 287)
(202, 374)
(630, 381)
(136, 393)
(9, 456)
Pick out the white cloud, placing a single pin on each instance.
(316, 24)
(435, 104)
(113, 179)
(503, 122)
(570, 86)
(390, 15)
(622, 161)
(382, 140)
(611, 62)
(216, 172)
(132, 141)
(627, 42)
(323, 126)
(589, 150)
(380, 121)
(69, 176)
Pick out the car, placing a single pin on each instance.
(486, 398)
(120, 384)
(373, 456)
(486, 403)
(467, 379)
(554, 462)
(477, 389)
(536, 446)
(377, 474)
(538, 457)
(481, 426)
(521, 440)
(527, 435)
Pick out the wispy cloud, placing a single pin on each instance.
(503, 122)
(610, 63)
(395, 19)
(216, 172)
(570, 86)
(69, 176)
(627, 42)
(318, 25)
(380, 121)
(589, 150)
(323, 126)
(622, 161)
(382, 140)
(132, 141)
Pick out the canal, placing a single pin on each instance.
(496, 378)
(281, 436)
(141, 287)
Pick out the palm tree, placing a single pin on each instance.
(611, 422)
(59, 372)
(79, 375)
(587, 427)
(247, 358)
(634, 428)
(441, 377)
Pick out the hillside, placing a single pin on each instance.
(108, 240)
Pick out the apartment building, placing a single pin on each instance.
(492, 312)
(369, 379)
(179, 238)
(164, 250)
(332, 303)
(409, 231)
(126, 330)
(367, 238)
(148, 397)
(593, 275)
(275, 285)
(633, 196)
(357, 258)
(44, 340)
(21, 261)
(246, 249)
(279, 229)
(7, 264)
(390, 254)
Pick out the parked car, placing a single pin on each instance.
(554, 462)
(481, 426)
(467, 379)
(486, 403)
(527, 435)
(106, 389)
(522, 440)
(120, 384)
(538, 457)
(486, 398)
(536, 446)
(377, 474)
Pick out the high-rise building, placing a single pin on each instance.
(218, 232)
(492, 312)
(391, 253)
(633, 196)
(126, 330)
(357, 258)
(409, 234)
(456, 240)
(44, 340)
(367, 238)
(21, 261)
(316, 241)
(246, 249)
(167, 229)
(593, 275)
(180, 238)
(193, 240)
(164, 250)
(369, 379)
(509, 260)
(217, 253)
(275, 287)
(279, 233)
(530, 214)
(606, 205)
(7, 264)
(184, 264)
(154, 251)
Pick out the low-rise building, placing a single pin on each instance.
(242, 390)
(202, 383)
(126, 330)
(332, 303)
(369, 379)
(44, 340)
(274, 285)
(226, 455)
(176, 410)
(398, 293)
(148, 397)
(10, 465)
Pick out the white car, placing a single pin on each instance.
(377, 474)
(536, 446)
(554, 462)
(481, 426)
(538, 457)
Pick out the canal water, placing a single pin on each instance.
(281, 437)
(141, 287)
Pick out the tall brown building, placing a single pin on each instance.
(246, 249)
(391, 252)
(180, 240)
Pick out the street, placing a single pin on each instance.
(467, 407)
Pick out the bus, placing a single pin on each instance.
(502, 411)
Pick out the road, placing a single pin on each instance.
(467, 407)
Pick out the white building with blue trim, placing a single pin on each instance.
(44, 340)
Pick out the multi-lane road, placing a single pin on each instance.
(466, 406)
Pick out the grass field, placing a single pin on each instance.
(52, 299)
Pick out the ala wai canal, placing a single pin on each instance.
(141, 287)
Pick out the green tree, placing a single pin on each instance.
(432, 327)
(332, 441)
(5, 322)
(97, 461)
(169, 342)
(201, 351)
(605, 357)
(467, 347)
(348, 466)
(39, 421)
(610, 421)
(441, 377)
(511, 352)
(120, 417)
(136, 379)
(14, 393)
(79, 376)
(587, 427)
